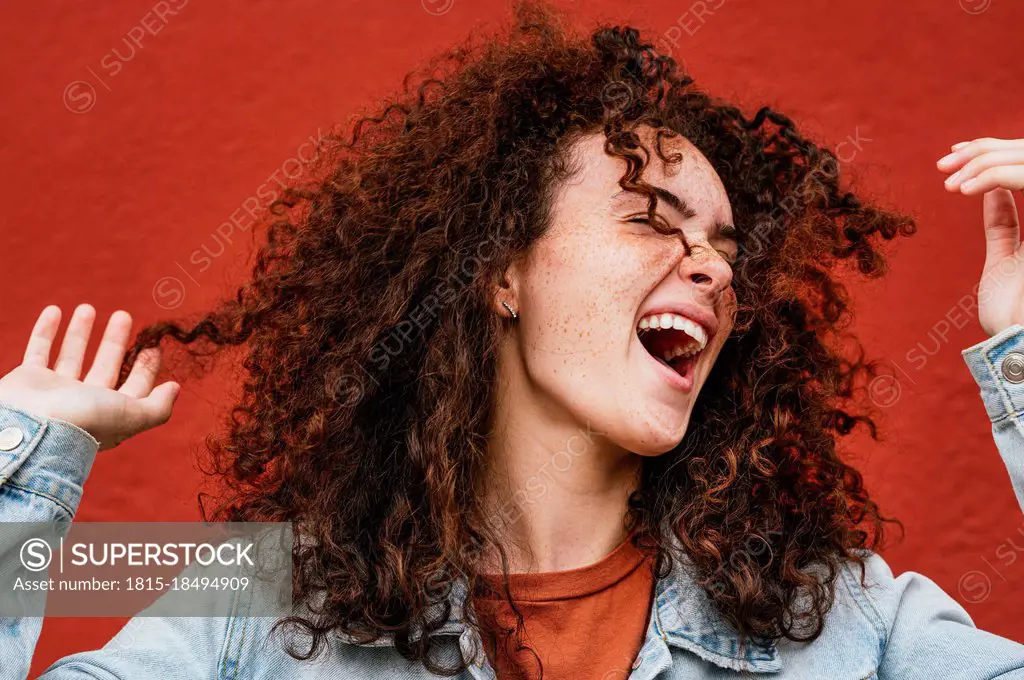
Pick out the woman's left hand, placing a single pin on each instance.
(995, 168)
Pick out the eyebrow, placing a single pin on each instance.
(724, 229)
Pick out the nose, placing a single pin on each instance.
(708, 272)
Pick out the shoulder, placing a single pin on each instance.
(883, 598)
(869, 601)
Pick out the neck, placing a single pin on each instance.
(556, 490)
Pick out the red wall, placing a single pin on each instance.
(108, 191)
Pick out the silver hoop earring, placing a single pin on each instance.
(510, 310)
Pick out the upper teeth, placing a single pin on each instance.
(680, 323)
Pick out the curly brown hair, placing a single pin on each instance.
(370, 340)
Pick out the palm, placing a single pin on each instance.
(62, 397)
(92, 403)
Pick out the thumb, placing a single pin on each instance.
(1002, 226)
(155, 408)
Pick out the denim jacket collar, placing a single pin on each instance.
(685, 617)
(682, 616)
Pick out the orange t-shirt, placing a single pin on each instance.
(582, 623)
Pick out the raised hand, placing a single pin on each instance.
(110, 415)
(995, 168)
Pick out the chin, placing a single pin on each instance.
(660, 435)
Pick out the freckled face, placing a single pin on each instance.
(586, 285)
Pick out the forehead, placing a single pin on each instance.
(692, 178)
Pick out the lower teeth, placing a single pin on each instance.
(676, 361)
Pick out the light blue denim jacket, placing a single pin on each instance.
(899, 627)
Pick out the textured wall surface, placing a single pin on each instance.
(119, 160)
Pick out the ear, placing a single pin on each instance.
(506, 289)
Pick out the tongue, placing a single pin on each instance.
(657, 342)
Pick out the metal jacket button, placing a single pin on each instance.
(1013, 367)
(10, 437)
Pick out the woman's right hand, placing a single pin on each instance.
(92, 403)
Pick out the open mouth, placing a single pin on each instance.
(673, 340)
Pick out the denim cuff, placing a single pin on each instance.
(997, 365)
(50, 457)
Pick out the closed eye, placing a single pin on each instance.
(665, 229)
(644, 220)
(726, 255)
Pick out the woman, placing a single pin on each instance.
(475, 351)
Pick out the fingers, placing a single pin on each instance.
(40, 340)
(106, 366)
(76, 337)
(964, 151)
(982, 165)
(961, 179)
(141, 378)
(1002, 226)
(1002, 176)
